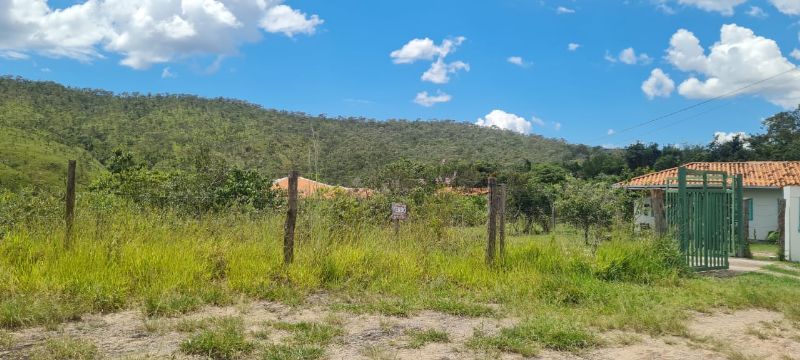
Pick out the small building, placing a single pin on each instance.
(763, 184)
(307, 187)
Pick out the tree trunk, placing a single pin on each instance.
(586, 234)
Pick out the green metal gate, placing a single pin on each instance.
(704, 212)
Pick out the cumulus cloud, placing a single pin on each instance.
(564, 10)
(144, 32)
(557, 126)
(795, 54)
(721, 137)
(610, 132)
(788, 7)
(166, 73)
(508, 121)
(426, 50)
(740, 58)
(757, 12)
(518, 60)
(724, 7)
(573, 46)
(658, 84)
(629, 56)
(429, 100)
(284, 19)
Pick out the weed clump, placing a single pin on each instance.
(224, 341)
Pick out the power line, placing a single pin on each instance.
(690, 107)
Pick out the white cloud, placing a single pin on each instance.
(508, 121)
(284, 19)
(740, 58)
(573, 46)
(166, 73)
(537, 120)
(425, 49)
(610, 132)
(724, 7)
(658, 84)
(629, 56)
(788, 7)
(439, 72)
(12, 55)
(564, 10)
(557, 126)
(721, 137)
(795, 54)
(45, 70)
(519, 61)
(429, 100)
(757, 12)
(144, 32)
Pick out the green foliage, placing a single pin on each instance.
(588, 205)
(292, 352)
(66, 348)
(526, 337)
(310, 332)
(164, 130)
(224, 341)
(420, 338)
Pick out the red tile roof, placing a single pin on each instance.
(758, 174)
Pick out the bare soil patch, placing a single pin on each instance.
(757, 334)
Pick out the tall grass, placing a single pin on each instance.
(165, 264)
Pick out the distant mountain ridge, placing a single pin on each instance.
(162, 129)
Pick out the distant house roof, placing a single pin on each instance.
(755, 174)
(307, 187)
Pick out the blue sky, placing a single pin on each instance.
(333, 58)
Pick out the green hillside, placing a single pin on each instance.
(164, 131)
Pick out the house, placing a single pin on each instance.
(763, 184)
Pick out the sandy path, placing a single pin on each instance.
(743, 334)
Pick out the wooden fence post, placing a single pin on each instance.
(781, 229)
(291, 219)
(659, 215)
(501, 218)
(492, 223)
(69, 214)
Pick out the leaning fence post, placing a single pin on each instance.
(501, 218)
(69, 214)
(659, 216)
(291, 219)
(781, 229)
(492, 223)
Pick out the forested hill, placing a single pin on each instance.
(44, 123)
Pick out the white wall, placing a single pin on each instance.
(765, 212)
(792, 196)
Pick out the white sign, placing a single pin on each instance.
(399, 211)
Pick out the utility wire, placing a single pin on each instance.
(687, 108)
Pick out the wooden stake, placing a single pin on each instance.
(782, 229)
(291, 219)
(70, 202)
(492, 223)
(501, 219)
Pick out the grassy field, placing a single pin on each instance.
(564, 292)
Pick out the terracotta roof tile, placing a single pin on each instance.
(771, 174)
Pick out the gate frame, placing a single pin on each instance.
(710, 228)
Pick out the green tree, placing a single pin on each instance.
(589, 205)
